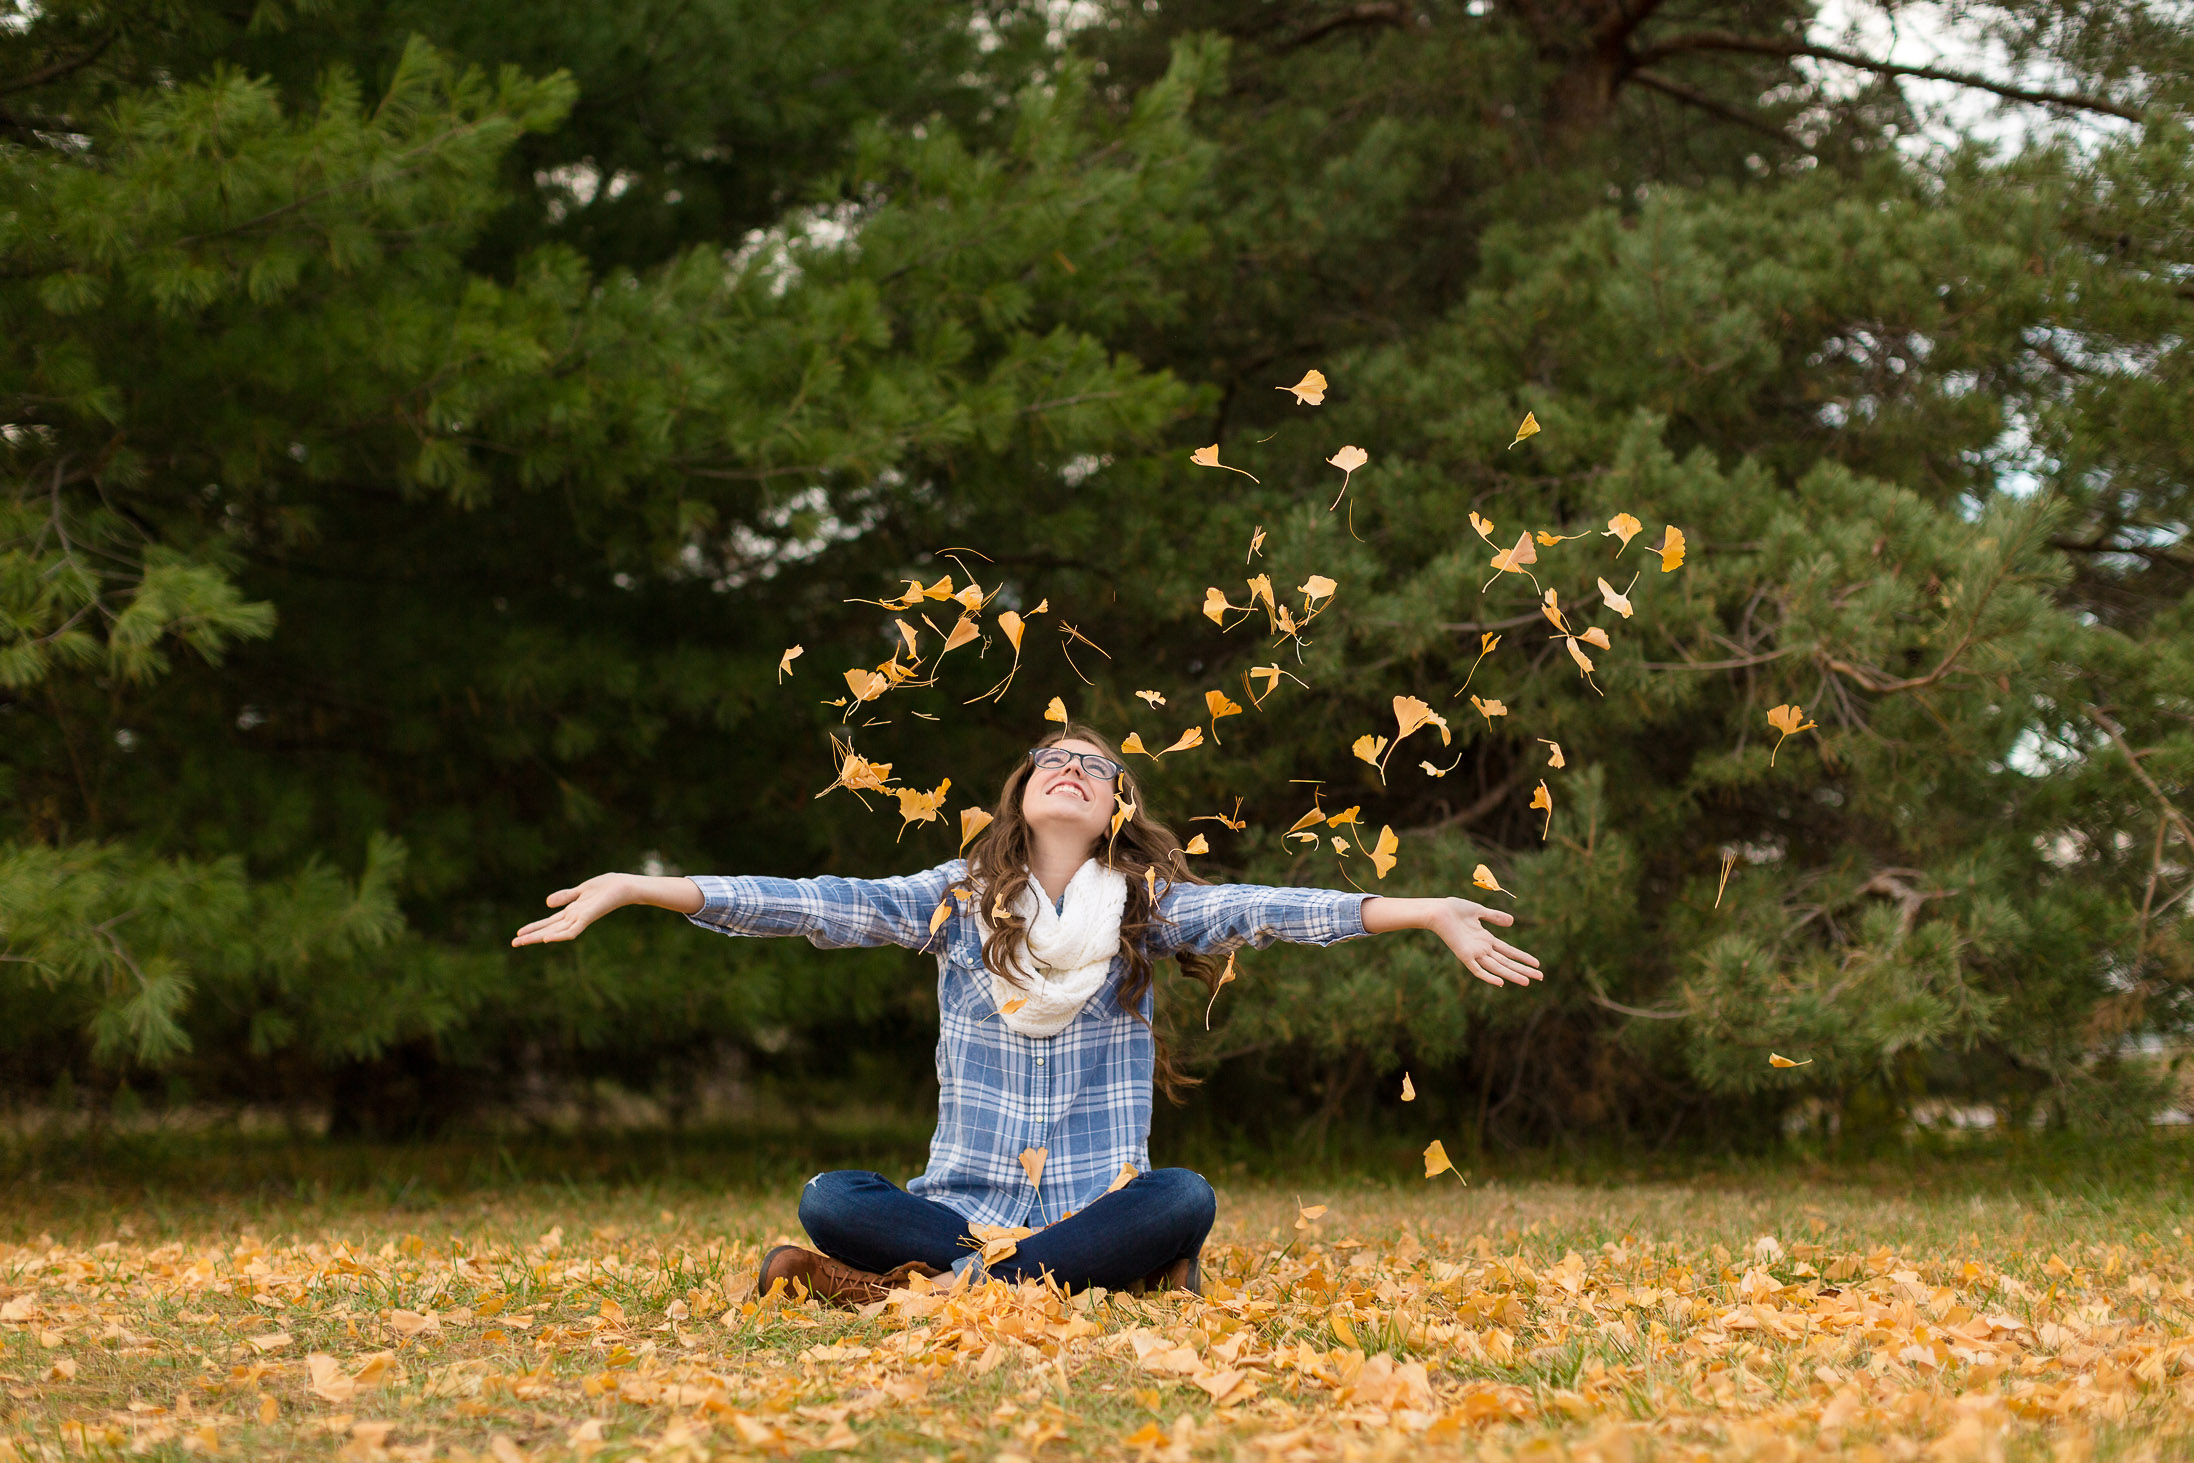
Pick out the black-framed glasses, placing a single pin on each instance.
(1051, 759)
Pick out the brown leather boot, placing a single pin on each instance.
(831, 1280)
(1180, 1275)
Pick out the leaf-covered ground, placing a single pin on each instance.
(1776, 1317)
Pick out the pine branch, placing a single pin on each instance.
(1690, 97)
(55, 70)
(1772, 46)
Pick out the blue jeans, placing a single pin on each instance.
(867, 1221)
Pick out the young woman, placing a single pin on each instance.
(1046, 1058)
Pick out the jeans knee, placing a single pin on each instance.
(827, 1196)
(1188, 1194)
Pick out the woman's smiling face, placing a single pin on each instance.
(1067, 801)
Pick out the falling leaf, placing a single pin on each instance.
(1122, 811)
(1315, 588)
(1196, 844)
(972, 822)
(1056, 711)
(1032, 1162)
(1216, 606)
(1484, 527)
(1620, 603)
(1256, 544)
(865, 684)
(1409, 1089)
(1306, 1217)
(1554, 757)
(1346, 818)
(784, 662)
(1624, 527)
(1489, 708)
(1122, 1179)
(1193, 737)
(1548, 538)
(1729, 861)
(1152, 698)
(1436, 1161)
(1310, 391)
(940, 914)
(1348, 459)
(1551, 607)
(1671, 549)
(1596, 636)
(1133, 742)
(1209, 457)
(1528, 427)
(1385, 851)
(916, 806)
(1486, 642)
(1780, 1061)
(1584, 662)
(1789, 720)
(1368, 747)
(1009, 1007)
(1013, 625)
(1512, 561)
(1260, 592)
(1432, 771)
(1483, 878)
(1218, 985)
(1340, 845)
(1541, 798)
(1219, 704)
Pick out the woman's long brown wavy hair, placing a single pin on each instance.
(998, 871)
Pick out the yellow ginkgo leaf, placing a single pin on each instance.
(1489, 707)
(865, 684)
(1624, 527)
(1315, 588)
(972, 822)
(916, 806)
(1347, 817)
(1596, 636)
(1528, 427)
(1197, 844)
(940, 914)
(1618, 602)
(1584, 662)
(1032, 1160)
(1368, 747)
(1554, 757)
(1432, 771)
(1133, 742)
(1385, 852)
(1013, 625)
(1315, 816)
(1671, 549)
(1486, 641)
(1260, 592)
(1256, 544)
(1774, 1060)
(1513, 561)
(1411, 714)
(1009, 1007)
(1348, 459)
(1218, 985)
(1056, 711)
(1122, 1179)
(1436, 1160)
(1483, 878)
(1152, 698)
(1484, 527)
(1209, 457)
(1409, 1089)
(1216, 605)
(1340, 845)
(1305, 1218)
(784, 662)
(1789, 720)
(1122, 811)
(1309, 391)
(1541, 798)
(1193, 737)
(1551, 606)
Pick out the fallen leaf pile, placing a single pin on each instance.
(1306, 1344)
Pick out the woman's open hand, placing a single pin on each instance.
(1462, 924)
(576, 909)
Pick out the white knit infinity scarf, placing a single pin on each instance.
(1073, 949)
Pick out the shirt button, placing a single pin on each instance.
(1039, 1061)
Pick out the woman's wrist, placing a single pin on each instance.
(1383, 912)
(678, 894)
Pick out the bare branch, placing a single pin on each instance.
(1776, 46)
(55, 70)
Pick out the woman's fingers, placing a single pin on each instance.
(1509, 952)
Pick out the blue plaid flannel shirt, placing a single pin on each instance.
(1083, 1094)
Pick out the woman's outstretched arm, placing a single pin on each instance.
(832, 912)
(1215, 918)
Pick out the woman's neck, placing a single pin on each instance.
(1054, 864)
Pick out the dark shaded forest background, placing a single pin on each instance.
(425, 426)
